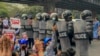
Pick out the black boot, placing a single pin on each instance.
(71, 52)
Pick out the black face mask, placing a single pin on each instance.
(46, 18)
(68, 18)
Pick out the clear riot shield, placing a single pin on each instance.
(42, 29)
(22, 26)
(80, 29)
(35, 26)
(49, 26)
(81, 38)
(64, 40)
(29, 30)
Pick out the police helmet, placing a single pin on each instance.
(24, 16)
(85, 14)
(67, 15)
(54, 16)
(38, 16)
(45, 16)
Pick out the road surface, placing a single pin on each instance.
(94, 48)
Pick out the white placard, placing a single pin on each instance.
(15, 23)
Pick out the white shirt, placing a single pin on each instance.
(22, 53)
(5, 22)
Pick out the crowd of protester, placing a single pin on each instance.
(20, 45)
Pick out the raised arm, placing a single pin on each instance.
(53, 41)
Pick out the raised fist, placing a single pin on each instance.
(5, 46)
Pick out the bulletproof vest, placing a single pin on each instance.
(62, 28)
(35, 25)
(42, 27)
(49, 25)
(80, 29)
(28, 27)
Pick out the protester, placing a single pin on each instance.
(38, 48)
(16, 46)
(6, 46)
(45, 47)
(23, 44)
(99, 32)
(1, 26)
(17, 31)
(95, 28)
(6, 23)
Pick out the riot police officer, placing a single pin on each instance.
(62, 27)
(23, 20)
(87, 16)
(52, 21)
(82, 32)
(67, 15)
(35, 25)
(29, 30)
(42, 25)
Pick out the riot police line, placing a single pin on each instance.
(66, 30)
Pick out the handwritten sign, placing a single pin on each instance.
(15, 23)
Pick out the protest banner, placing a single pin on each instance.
(15, 23)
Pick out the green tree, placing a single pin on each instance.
(3, 10)
(11, 9)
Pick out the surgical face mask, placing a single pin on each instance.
(53, 18)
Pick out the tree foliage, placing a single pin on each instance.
(3, 9)
(32, 10)
(11, 9)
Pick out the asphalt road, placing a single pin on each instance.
(94, 48)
